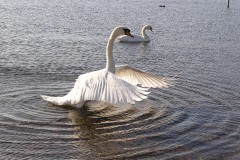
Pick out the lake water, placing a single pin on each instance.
(45, 45)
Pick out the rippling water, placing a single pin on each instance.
(45, 45)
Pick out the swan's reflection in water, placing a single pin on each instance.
(115, 132)
(152, 128)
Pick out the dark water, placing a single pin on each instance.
(45, 45)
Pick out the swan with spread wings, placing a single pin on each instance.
(113, 84)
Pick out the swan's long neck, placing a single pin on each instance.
(109, 54)
(144, 35)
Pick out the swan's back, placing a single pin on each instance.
(103, 86)
(136, 38)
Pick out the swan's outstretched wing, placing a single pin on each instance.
(137, 77)
(102, 86)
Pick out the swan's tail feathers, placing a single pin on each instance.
(55, 100)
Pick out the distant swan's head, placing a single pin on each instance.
(118, 31)
(148, 27)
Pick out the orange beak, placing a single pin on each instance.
(129, 34)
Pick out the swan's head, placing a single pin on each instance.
(118, 31)
(127, 32)
(148, 27)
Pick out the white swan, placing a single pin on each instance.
(115, 85)
(137, 38)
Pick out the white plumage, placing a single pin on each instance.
(137, 77)
(100, 85)
(115, 85)
(137, 38)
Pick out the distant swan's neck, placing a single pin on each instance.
(109, 55)
(144, 34)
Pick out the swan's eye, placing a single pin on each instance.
(126, 30)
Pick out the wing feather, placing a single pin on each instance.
(104, 86)
(101, 86)
(137, 77)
